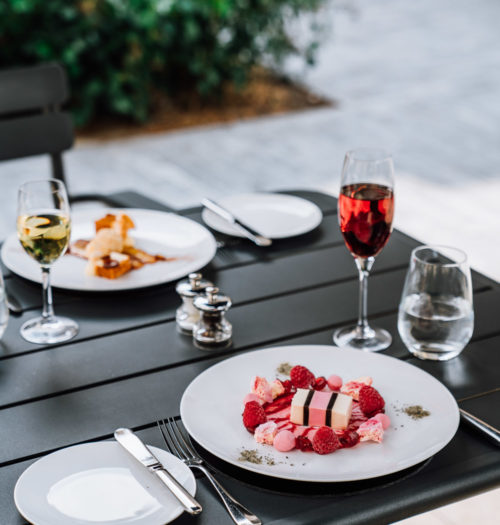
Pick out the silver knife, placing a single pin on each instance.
(247, 230)
(134, 446)
(490, 432)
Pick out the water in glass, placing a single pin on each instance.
(435, 327)
(436, 317)
(4, 310)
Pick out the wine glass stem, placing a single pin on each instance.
(48, 309)
(364, 265)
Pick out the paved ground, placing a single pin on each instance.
(421, 79)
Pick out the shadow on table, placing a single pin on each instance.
(282, 486)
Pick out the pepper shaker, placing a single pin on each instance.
(187, 315)
(212, 329)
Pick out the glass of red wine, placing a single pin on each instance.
(365, 209)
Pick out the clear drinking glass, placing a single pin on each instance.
(4, 310)
(436, 317)
(44, 228)
(366, 210)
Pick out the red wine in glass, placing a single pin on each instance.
(366, 213)
(366, 210)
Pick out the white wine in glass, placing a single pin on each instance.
(44, 229)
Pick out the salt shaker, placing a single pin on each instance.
(187, 315)
(213, 329)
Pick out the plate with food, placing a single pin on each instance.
(112, 250)
(319, 413)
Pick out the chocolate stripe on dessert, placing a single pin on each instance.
(328, 419)
(306, 406)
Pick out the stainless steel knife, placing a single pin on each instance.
(248, 231)
(134, 446)
(490, 432)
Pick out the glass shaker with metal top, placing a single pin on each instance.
(213, 329)
(187, 315)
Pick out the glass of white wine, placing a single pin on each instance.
(44, 228)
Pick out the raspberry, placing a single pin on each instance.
(325, 441)
(303, 443)
(348, 438)
(370, 401)
(301, 377)
(319, 383)
(287, 385)
(253, 415)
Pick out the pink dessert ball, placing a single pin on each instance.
(334, 382)
(284, 441)
(252, 397)
(384, 419)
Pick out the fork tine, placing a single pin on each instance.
(185, 440)
(165, 439)
(237, 511)
(180, 452)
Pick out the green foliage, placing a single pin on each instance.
(118, 52)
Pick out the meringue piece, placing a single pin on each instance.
(352, 388)
(262, 389)
(277, 388)
(252, 397)
(371, 430)
(265, 433)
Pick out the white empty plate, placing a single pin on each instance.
(271, 214)
(99, 484)
(156, 232)
(407, 442)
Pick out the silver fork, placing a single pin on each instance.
(181, 446)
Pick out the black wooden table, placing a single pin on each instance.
(128, 367)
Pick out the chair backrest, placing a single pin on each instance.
(31, 121)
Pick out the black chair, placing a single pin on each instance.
(33, 123)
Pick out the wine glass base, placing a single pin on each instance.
(349, 337)
(49, 331)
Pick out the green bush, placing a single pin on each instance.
(117, 53)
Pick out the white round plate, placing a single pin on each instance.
(406, 442)
(155, 232)
(99, 484)
(271, 214)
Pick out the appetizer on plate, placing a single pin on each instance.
(112, 252)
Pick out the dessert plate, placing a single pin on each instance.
(273, 215)
(212, 405)
(156, 232)
(98, 484)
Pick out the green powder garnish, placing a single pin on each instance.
(284, 369)
(251, 456)
(270, 461)
(416, 412)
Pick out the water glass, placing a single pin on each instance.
(436, 317)
(4, 310)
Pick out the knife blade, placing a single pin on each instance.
(248, 231)
(134, 446)
(490, 432)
